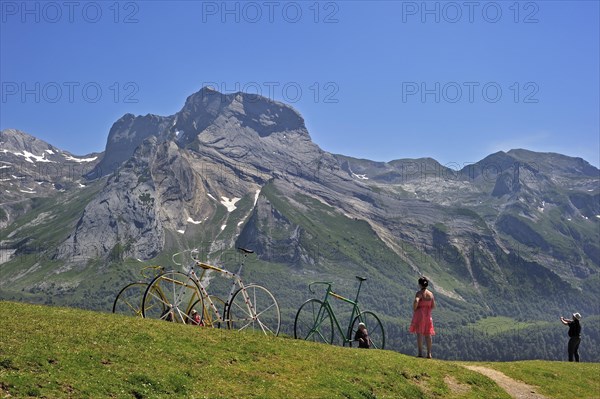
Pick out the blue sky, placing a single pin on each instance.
(454, 81)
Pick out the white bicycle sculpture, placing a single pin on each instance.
(174, 296)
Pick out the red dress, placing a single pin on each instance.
(421, 322)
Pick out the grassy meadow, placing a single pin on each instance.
(57, 352)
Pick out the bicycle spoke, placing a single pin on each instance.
(375, 330)
(177, 298)
(246, 325)
(258, 314)
(242, 309)
(165, 316)
(150, 307)
(182, 315)
(263, 326)
(130, 306)
(160, 298)
(321, 335)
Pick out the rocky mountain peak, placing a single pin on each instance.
(212, 102)
(259, 114)
(554, 163)
(125, 135)
(14, 140)
(207, 112)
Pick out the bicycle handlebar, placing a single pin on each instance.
(177, 254)
(193, 255)
(328, 283)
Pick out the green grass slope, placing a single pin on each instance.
(59, 353)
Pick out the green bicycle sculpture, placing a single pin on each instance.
(315, 320)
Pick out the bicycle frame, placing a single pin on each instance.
(237, 282)
(355, 309)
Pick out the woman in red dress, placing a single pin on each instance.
(421, 323)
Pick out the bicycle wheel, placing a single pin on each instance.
(170, 297)
(208, 315)
(260, 313)
(374, 327)
(314, 322)
(129, 300)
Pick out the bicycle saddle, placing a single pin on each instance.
(246, 251)
(361, 278)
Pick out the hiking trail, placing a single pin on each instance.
(516, 389)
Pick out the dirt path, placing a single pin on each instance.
(514, 388)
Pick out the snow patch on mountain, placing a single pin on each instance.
(360, 177)
(256, 196)
(80, 160)
(28, 157)
(229, 203)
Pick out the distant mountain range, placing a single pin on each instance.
(516, 234)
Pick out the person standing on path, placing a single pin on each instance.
(574, 335)
(422, 323)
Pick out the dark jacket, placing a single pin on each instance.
(574, 328)
(365, 343)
